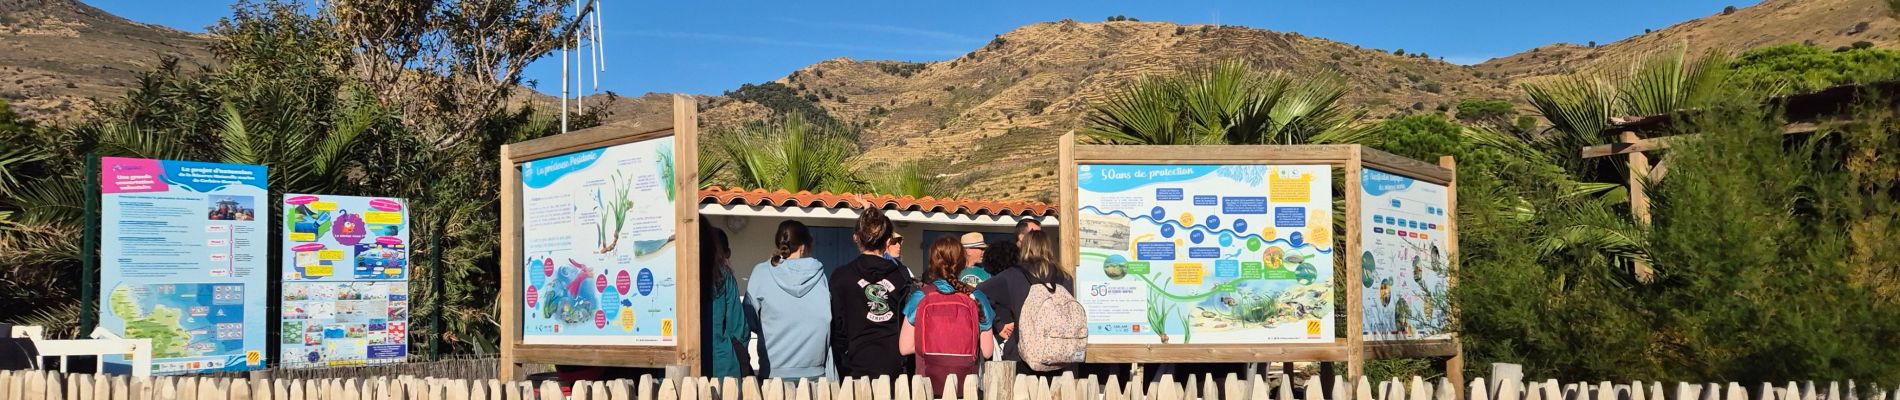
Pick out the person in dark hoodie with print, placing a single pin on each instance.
(867, 297)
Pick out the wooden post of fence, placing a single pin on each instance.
(1454, 366)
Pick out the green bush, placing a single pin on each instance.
(1801, 68)
(1779, 256)
(1484, 110)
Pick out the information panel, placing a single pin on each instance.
(599, 238)
(1205, 254)
(1403, 257)
(346, 281)
(182, 261)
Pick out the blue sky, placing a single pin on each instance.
(706, 47)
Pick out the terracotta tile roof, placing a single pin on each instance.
(781, 198)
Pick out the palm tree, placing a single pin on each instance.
(1226, 103)
(791, 153)
(909, 179)
(1579, 107)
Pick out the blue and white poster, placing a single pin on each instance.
(1205, 254)
(346, 281)
(182, 261)
(1403, 258)
(618, 288)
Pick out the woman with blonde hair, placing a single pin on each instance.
(1009, 289)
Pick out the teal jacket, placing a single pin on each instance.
(724, 332)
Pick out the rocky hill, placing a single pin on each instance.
(1825, 23)
(55, 55)
(985, 121)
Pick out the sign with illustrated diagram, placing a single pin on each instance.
(182, 261)
(1403, 257)
(1205, 254)
(599, 244)
(345, 272)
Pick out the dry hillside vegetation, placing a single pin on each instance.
(55, 55)
(986, 121)
(1824, 23)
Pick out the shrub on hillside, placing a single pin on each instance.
(1800, 68)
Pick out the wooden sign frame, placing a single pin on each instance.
(684, 354)
(1352, 348)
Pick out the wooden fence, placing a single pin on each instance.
(47, 385)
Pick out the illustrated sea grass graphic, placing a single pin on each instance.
(1157, 313)
(617, 206)
(666, 171)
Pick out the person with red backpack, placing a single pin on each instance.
(947, 322)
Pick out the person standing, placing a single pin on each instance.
(894, 251)
(789, 298)
(1009, 289)
(865, 320)
(724, 333)
(946, 322)
(1025, 226)
(973, 249)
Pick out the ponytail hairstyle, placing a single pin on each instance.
(946, 260)
(792, 235)
(874, 230)
(1039, 257)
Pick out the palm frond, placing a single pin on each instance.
(10, 161)
(238, 147)
(122, 139)
(909, 179)
(1145, 113)
(1579, 108)
(794, 154)
(354, 121)
(1670, 82)
(1227, 102)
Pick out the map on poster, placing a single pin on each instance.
(182, 262)
(1402, 231)
(1206, 254)
(617, 289)
(345, 270)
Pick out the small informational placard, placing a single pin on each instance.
(1403, 257)
(346, 281)
(599, 241)
(182, 256)
(1205, 254)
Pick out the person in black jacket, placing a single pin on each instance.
(867, 297)
(1009, 289)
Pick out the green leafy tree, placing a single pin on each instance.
(1762, 238)
(1228, 102)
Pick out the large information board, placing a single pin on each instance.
(1205, 254)
(346, 281)
(182, 261)
(599, 241)
(1404, 258)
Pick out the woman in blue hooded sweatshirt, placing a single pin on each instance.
(789, 297)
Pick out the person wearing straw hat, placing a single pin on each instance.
(973, 249)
